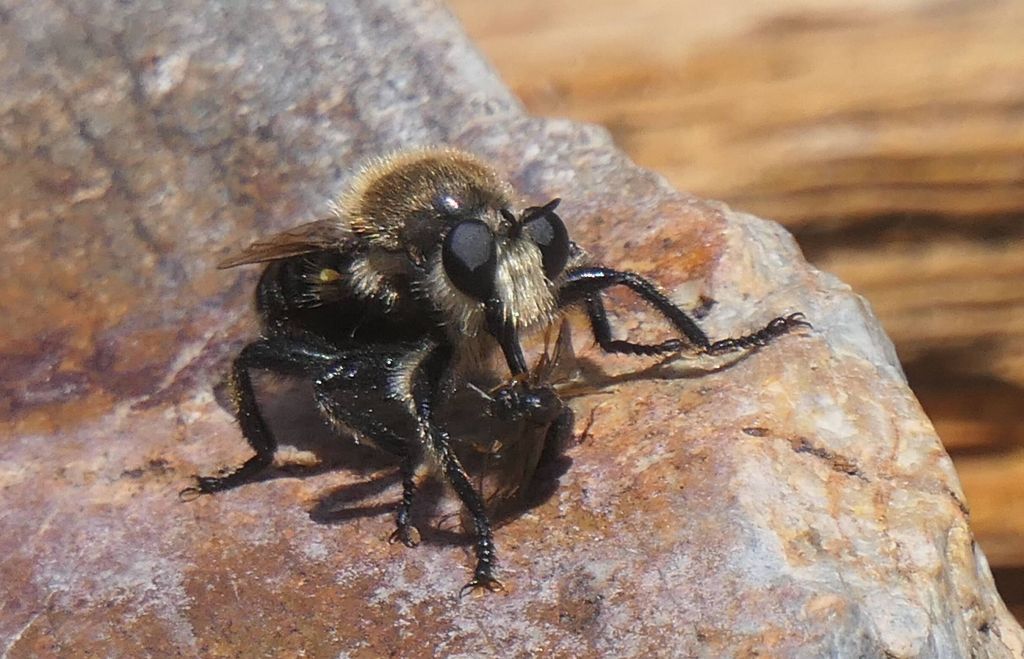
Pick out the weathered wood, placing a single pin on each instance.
(828, 115)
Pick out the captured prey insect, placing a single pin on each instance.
(529, 429)
(422, 273)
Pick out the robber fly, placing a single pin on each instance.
(422, 272)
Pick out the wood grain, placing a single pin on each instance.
(889, 136)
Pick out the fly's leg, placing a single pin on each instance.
(356, 392)
(586, 285)
(405, 532)
(283, 355)
(429, 388)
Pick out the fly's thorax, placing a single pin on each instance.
(379, 274)
(403, 201)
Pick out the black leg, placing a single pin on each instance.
(762, 337)
(455, 473)
(355, 392)
(603, 333)
(586, 284)
(429, 389)
(405, 531)
(279, 354)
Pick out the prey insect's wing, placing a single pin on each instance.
(319, 235)
(558, 362)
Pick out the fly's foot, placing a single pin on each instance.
(408, 534)
(250, 470)
(482, 582)
(204, 485)
(773, 330)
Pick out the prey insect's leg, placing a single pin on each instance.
(428, 389)
(278, 354)
(587, 283)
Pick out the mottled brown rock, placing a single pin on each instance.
(888, 136)
(795, 502)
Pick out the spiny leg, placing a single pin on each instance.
(455, 474)
(602, 330)
(775, 328)
(279, 354)
(405, 531)
(355, 392)
(587, 283)
(428, 389)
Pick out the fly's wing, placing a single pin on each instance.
(319, 235)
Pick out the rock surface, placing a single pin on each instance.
(796, 502)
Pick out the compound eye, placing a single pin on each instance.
(547, 230)
(470, 258)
